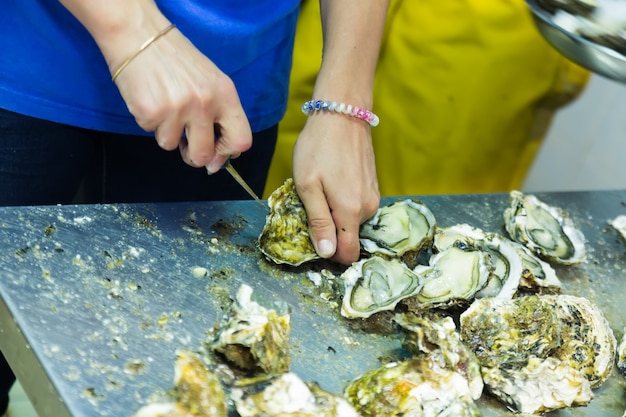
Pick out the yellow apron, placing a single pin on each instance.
(465, 91)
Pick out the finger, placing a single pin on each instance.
(235, 137)
(200, 146)
(168, 134)
(346, 221)
(321, 225)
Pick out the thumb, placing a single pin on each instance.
(321, 225)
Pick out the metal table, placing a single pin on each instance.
(96, 299)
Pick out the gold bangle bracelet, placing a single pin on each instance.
(140, 50)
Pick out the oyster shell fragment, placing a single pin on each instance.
(376, 284)
(401, 227)
(285, 237)
(621, 354)
(546, 230)
(288, 395)
(254, 338)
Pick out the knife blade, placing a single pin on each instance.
(233, 173)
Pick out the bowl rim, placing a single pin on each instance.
(546, 17)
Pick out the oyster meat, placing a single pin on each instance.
(453, 277)
(541, 385)
(415, 387)
(547, 231)
(376, 284)
(285, 237)
(288, 395)
(401, 227)
(587, 340)
(254, 338)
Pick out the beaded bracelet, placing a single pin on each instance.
(141, 49)
(350, 110)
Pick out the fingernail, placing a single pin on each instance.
(325, 248)
(210, 169)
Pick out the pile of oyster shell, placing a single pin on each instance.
(518, 337)
(601, 21)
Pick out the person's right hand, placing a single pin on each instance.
(175, 91)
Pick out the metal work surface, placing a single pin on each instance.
(95, 300)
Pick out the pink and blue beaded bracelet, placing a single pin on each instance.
(348, 109)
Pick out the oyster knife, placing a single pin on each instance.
(233, 173)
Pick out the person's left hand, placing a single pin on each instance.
(335, 176)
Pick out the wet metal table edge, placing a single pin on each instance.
(95, 300)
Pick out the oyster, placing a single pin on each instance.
(621, 354)
(254, 338)
(546, 230)
(443, 344)
(399, 228)
(288, 395)
(453, 277)
(197, 392)
(376, 284)
(415, 387)
(505, 259)
(537, 275)
(587, 341)
(285, 237)
(510, 331)
(619, 223)
(540, 385)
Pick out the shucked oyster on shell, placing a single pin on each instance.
(376, 284)
(546, 230)
(398, 228)
(285, 237)
(254, 338)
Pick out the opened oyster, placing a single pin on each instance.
(415, 387)
(587, 340)
(197, 392)
(453, 277)
(376, 284)
(537, 275)
(288, 395)
(443, 344)
(506, 261)
(254, 338)
(504, 331)
(540, 385)
(402, 227)
(546, 230)
(285, 237)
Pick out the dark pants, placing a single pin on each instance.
(48, 163)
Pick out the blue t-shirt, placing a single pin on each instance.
(51, 68)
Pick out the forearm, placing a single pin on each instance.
(352, 36)
(119, 27)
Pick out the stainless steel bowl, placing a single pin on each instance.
(596, 58)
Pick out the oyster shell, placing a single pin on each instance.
(506, 261)
(587, 340)
(440, 340)
(254, 338)
(619, 223)
(541, 385)
(401, 227)
(197, 392)
(285, 237)
(376, 284)
(416, 387)
(510, 331)
(288, 395)
(453, 277)
(621, 354)
(537, 275)
(546, 230)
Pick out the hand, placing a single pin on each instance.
(172, 89)
(335, 177)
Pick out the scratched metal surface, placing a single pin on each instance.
(104, 295)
